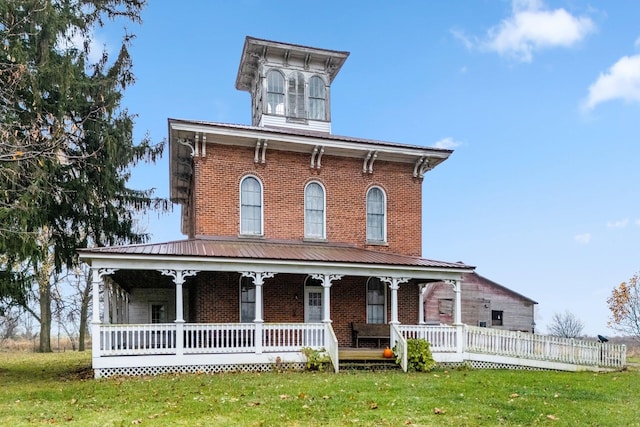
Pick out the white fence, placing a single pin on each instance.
(520, 345)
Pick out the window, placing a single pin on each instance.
(314, 219)
(445, 306)
(158, 313)
(316, 98)
(496, 318)
(250, 206)
(275, 93)
(296, 96)
(376, 298)
(247, 300)
(376, 215)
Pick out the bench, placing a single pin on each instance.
(371, 331)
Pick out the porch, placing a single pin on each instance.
(187, 347)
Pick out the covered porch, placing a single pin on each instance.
(206, 330)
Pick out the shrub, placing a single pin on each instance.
(317, 360)
(419, 357)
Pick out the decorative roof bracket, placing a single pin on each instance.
(367, 167)
(187, 143)
(316, 157)
(260, 151)
(426, 166)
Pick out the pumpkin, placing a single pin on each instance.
(387, 353)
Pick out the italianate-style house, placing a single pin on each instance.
(295, 237)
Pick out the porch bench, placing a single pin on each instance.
(370, 331)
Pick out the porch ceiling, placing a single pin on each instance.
(235, 254)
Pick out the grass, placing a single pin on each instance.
(37, 389)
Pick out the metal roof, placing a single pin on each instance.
(274, 250)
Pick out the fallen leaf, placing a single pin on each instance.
(253, 404)
(514, 395)
(138, 421)
(74, 401)
(552, 417)
(284, 396)
(373, 405)
(325, 397)
(439, 411)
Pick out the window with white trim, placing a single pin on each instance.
(376, 215)
(275, 93)
(158, 312)
(317, 98)
(376, 301)
(314, 211)
(247, 300)
(251, 206)
(296, 96)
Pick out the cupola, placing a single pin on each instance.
(289, 84)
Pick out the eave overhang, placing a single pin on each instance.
(187, 139)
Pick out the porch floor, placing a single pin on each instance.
(351, 353)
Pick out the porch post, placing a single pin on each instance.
(96, 279)
(457, 322)
(422, 288)
(258, 281)
(394, 285)
(106, 296)
(326, 293)
(179, 277)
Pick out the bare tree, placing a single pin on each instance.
(565, 325)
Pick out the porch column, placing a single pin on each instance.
(326, 280)
(258, 281)
(96, 280)
(394, 285)
(457, 320)
(106, 310)
(179, 277)
(422, 288)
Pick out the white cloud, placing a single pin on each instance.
(621, 81)
(447, 143)
(532, 27)
(618, 224)
(637, 43)
(583, 239)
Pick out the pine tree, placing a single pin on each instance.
(67, 142)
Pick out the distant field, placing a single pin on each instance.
(38, 389)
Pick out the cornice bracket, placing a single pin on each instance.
(367, 167)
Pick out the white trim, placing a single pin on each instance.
(261, 233)
(324, 211)
(240, 300)
(308, 288)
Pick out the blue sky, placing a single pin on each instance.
(539, 99)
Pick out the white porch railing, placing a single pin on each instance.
(210, 338)
(399, 343)
(441, 338)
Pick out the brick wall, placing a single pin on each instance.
(216, 188)
(214, 298)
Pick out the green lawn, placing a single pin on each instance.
(38, 389)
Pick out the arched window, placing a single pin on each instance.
(376, 213)
(317, 96)
(314, 207)
(275, 93)
(247, 300)
(250, 206)
(376, 301)
(296, 96)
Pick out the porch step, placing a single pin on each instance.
(365, 359)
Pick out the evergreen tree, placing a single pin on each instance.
(66, 141)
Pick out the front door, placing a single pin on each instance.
(312, 303)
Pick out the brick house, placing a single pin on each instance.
(293, 234)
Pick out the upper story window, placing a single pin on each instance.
(376, 301)
(317, 95)
(251, 206)
(376, 215)
(296, 96)
(314, 209)
(275, 93)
